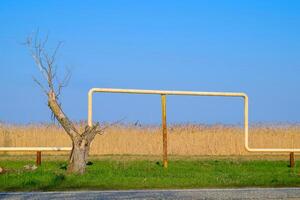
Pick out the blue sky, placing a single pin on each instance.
(234, 46)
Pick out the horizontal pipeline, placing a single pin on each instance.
(166, 92)
(35, 148)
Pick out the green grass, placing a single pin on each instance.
(143, 174)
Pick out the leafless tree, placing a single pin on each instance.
(52, 87)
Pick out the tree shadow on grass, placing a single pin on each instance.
(55, 182)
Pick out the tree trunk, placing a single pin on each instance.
(81, 140)
(78, 157)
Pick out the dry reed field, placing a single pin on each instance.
(185, 139)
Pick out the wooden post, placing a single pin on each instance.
(164, 130)
(38, 158)
(292, 159)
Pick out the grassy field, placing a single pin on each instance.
(141, 174)
(139, 167)
(185, 139)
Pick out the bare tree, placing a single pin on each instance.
(52, 87)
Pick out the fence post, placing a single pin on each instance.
(292, 159)
(38, 158)
(164, 130)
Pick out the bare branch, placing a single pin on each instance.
(64, 82)
(46, 64)
(36, 49)
(41, 85)
(96, 129)
(111, 124)
(53, 57)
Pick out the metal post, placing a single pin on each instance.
(90, 108)
(164, 130)
(38, 158)
(292, 159)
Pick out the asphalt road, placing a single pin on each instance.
(247, 193)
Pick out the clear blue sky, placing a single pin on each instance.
(242, 46)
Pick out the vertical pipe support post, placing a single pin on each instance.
(292, 160)
(90, 108)
(38, 158)
(164, 130)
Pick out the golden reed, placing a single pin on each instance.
(185, 139)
